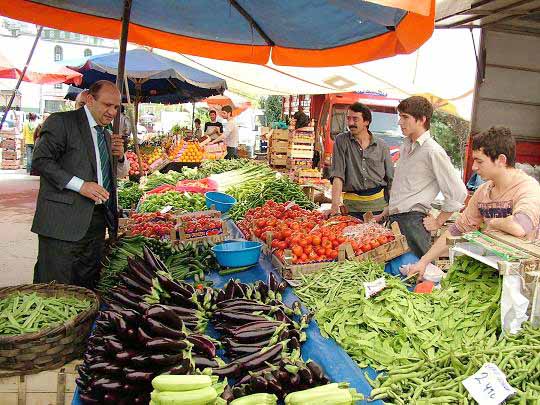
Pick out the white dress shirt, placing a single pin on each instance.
(76, 183)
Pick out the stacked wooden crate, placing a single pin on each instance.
(11, 150)
(301, 148)
(279, 143)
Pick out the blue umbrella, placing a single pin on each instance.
(151, 78)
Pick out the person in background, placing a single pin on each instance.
(28, 134)
(302, 119)
(422, 171)
(230, 133)
(197, 132)
(125, 126)
(80, 101)
(77, 194)
(362, 169)
(506, 202)
(213, 129)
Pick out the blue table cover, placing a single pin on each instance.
(337, 364)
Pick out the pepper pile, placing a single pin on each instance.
(187, 202)
(201, 224)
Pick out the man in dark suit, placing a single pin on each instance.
(77, 195)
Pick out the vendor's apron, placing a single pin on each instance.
(371, 200)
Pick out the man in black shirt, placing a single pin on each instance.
(302, 119)
(213, 129)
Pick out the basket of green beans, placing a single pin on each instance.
(43, 326)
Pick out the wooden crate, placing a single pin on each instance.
(295, 163)
(11, 155)
(300, 153)
(278, 160)
(279, 135)
(179, 236)
(52, 387)
(8, 144)
(389, 250)
(279, 147)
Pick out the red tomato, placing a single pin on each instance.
(297, 250)
(316, 240)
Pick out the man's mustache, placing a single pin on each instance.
(353, 126)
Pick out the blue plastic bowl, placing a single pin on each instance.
(223, 202)
(237, 253)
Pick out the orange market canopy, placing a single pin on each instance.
(292, 33)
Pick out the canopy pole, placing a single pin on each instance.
(133, 122)
(16, 89)
(193, 120)
(120, 85)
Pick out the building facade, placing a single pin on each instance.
(54, 46)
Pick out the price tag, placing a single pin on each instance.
(166, 209)
(373, 287)
(488, 386)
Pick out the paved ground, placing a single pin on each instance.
(18, 246)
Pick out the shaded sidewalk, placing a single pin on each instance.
(18, 246)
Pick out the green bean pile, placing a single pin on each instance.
(252, 195)
(30, 312)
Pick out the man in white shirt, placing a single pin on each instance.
(230, 133)
(422, 171)
(77, 195)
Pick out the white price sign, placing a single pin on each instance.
(373, 287)
(488, 386)
(166, 209)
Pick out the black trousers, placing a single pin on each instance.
(232, 153)
(76, 263)
(412, 226)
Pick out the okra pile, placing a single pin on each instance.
(156, 325)
(30, 312)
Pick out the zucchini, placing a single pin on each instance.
(171, 382)
(256, 399)
(201, 396)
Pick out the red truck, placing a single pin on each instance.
(330, 114)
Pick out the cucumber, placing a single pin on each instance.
(201, 396)
(256, 399)
(181, 382)
(311, 393)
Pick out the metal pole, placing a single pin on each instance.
(21, 77)
(193, 120)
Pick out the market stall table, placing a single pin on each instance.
(337, 364)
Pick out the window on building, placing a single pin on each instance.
(58, 53)
(56, 34)
(58, 86)
(54, 105)
(47, 34)
(87, 52)
(62, 34)
(77, 37)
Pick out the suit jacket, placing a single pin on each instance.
(66, 149)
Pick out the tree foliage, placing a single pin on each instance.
(271, 105)
(451, 133)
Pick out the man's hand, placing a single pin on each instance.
(419, 268)
(94, 191)
(117, 145)
(332, 211)
(378, 218)
(431, 223)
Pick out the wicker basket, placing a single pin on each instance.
(51, 347)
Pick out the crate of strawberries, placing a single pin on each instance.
(155, 225)
(199, 226)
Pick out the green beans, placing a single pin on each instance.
(30, 312)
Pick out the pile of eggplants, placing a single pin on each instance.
(154, 325)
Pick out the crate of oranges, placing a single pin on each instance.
(192, 154)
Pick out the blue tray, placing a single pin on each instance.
(337, 364)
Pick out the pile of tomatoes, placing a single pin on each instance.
(134, 168)
(152, 225)
(203, 223)
(306, 233)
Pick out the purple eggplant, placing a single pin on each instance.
(130, 315)
(89, 400)
(232, 344)
(258, 384)
(272, 282)
(282, 286)
(250, 308)
(253, 326)
(124, 357)
(202, 344)
(143, 337)
(106, 384)
(137, 268)
(316, 370)
(243, 351)
(272, 385)
(105, 368)
(132, 284)
(113, 345)
(164, 314)
(166, 345)
(110, 398)
(123, 300)
(255, 360)
(162, 330)
(179, 299)
(235, 302)
(237, 318)
(230, 370)
(140, 376)
(153, 260)
(181, 311)
(204, 362)
(229, 289)
(251, 336)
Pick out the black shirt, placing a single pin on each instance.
(213, 124)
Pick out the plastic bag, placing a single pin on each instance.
(513, 304)
(432, 272)
(196, 186)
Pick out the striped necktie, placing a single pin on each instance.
(104, 157)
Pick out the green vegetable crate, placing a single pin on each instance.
(179, 234)
(47, 387)
(52, 346)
